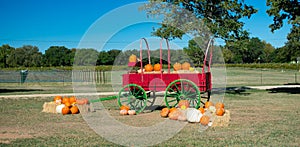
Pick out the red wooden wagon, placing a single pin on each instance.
(192, 86)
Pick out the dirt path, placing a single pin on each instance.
(271, 87)
(61, 94)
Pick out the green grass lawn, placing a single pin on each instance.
(258, 118)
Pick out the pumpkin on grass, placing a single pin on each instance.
(201, 109)
(131, 112)
(123, 112)
(219, 105)
(208, 104)
(125, 107)
(65, 110)
(173, 109)
(74, 110)
(72, 99)
(193, 115)
(220, 112)
(157, 67)
(148, 68)
(164, 112)
(65, 99)
(204, 120)
(183, 104)
(82, 101)
(174, 114)
(57, 99)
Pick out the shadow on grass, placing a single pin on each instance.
(232, 90)
(290, 90)
(18, 90)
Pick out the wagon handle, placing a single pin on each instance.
(167, 42)
(141, 53)
(210, 44)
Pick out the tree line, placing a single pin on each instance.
(251, 50)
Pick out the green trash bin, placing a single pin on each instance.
(23, 74)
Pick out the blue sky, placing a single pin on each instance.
(46, 23)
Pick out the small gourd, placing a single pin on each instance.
(59, 108)
(208, 104)
(123, 112)
(204, 120)
(219, 105)
(57, 100)
(65, 110)
(220, 112)
(124, 107)
(201, 109)
(131, 112)
(174, 114)
(74, 110)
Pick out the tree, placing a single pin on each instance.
(85, 57)
(222, 17)
(194, 51)
(5, 52)
(58, 56)
(26, 56)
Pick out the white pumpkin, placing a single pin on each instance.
(193, 115)
(131, 112)
(212, 109)
(59, 108)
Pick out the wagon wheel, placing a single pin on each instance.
(182, 89)
(133, 96)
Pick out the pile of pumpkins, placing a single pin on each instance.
(68, 105)
(193, 115)
(125, 110)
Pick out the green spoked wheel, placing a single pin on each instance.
(133, 96)
(182, 89)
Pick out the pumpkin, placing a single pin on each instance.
(204, 120)
(72, 99)
(68, 104)
(164, 112)
(186, 66)
(220, 112)
(65, 110)
(173, 109)
(219, 105)
(132, 58)
(193, 115)
(74, 110)
(148, 68)
(131, 112)
(201, 109)
(59, 108)
(182, 115)
(183, 104)
(174, 114)
(124, 107)
(82, 101)
(208, 104)
(156, 67)
(57, 99)
(123, 112)
(177, 66)
(65, 99)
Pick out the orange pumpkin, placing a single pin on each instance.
(124, 107)
(177, 66)
(65, 110)
(72, 99)
(219, 105)
(174, 114)
(68, 104)
(173, 109)
(132, 58)
(164, 112)
(186, 66)
(148, 68)
(65, 99)
(204, 120)
(220, 111)
(57, 99)
(80, 101)
(157, 67)
(201, 109)
(74, 110)
(208, 104)
(183, 104)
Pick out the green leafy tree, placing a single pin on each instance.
(5, 52)
(222, 17)
(26, 56)
(58, 56)
(194, 51)
(86, 57)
